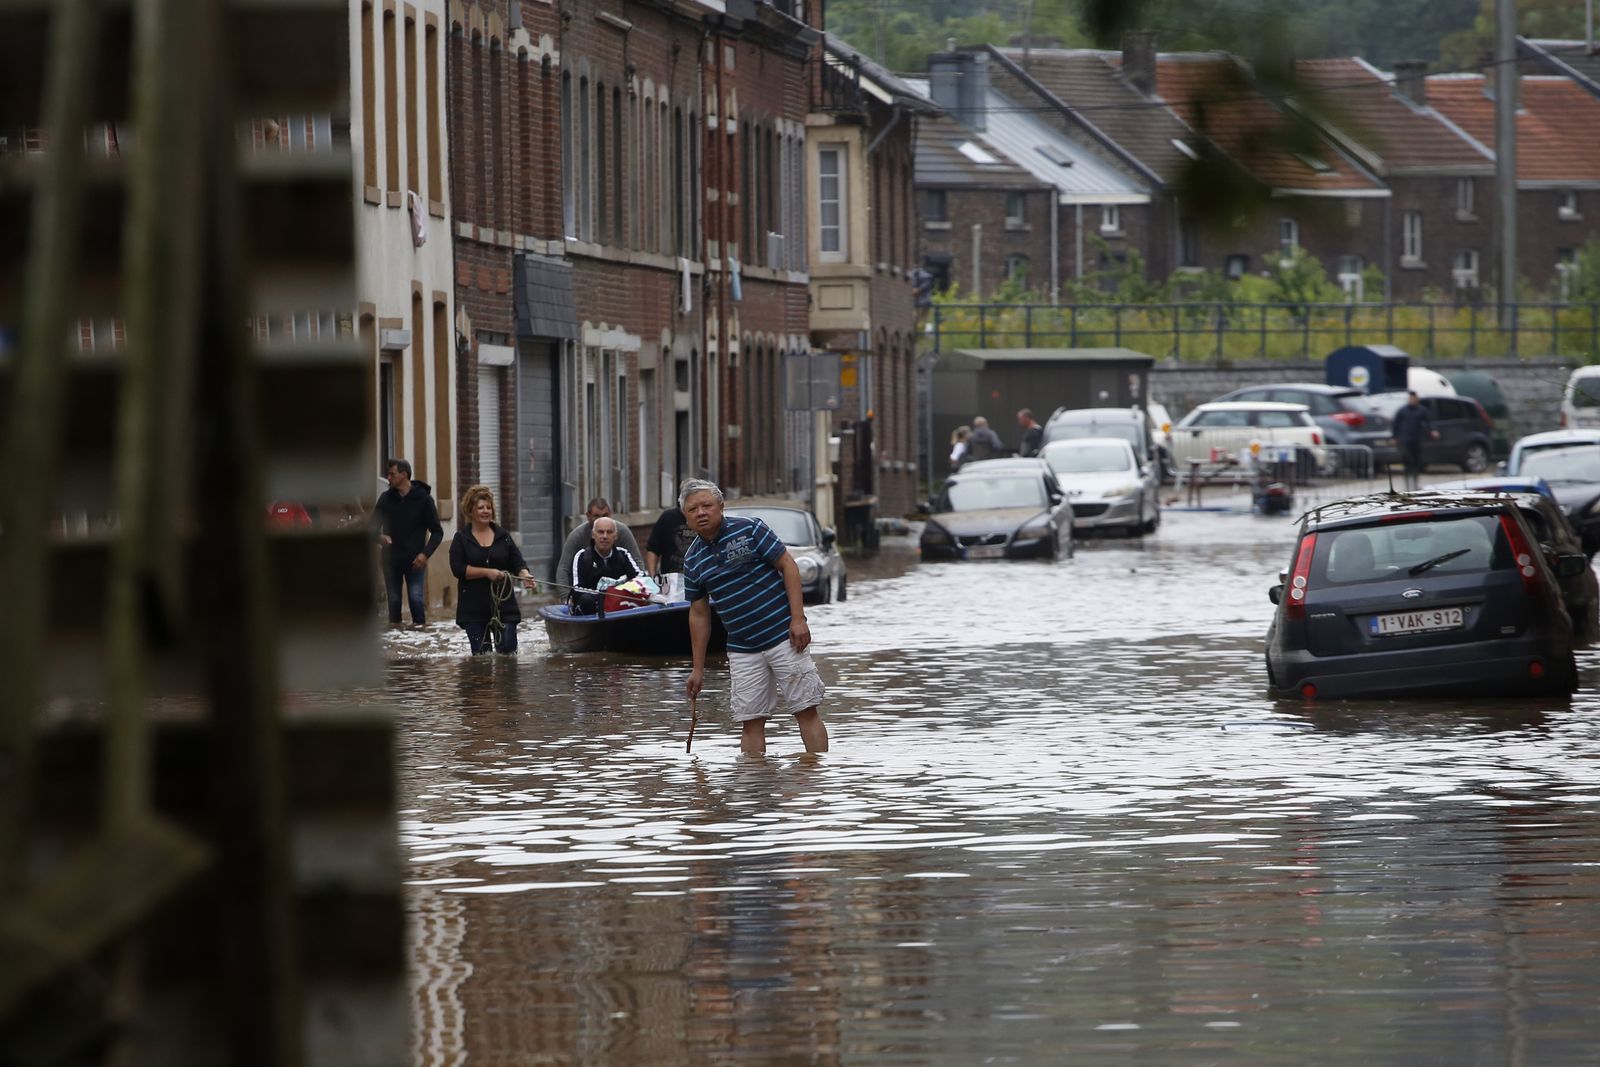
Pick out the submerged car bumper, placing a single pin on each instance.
(1088, 514)
(1529, 664)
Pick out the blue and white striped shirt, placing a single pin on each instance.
(740, 572)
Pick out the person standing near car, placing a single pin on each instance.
(1032, 433)
(1412, 426)
(983, 442)
(738, 566)
(408, 528)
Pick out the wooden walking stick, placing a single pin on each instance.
(694, 717)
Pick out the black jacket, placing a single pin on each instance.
(412, 520)
(1412, 424)
(1032, 441)
(588, 568)
(474, 598)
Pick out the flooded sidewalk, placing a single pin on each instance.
(1060, 820)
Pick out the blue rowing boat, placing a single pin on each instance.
(650, 629)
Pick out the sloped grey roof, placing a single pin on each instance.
(1571, 58)
(940, 162)
(890, 84)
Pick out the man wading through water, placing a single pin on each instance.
(738, 566)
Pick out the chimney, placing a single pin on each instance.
(1411, 80)
(1139, 60)
(959, 82)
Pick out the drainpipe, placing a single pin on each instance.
(1078, 239)
(977, 252)
(1055, 247)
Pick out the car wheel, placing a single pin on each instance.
(825, 591)
(1155, 521)
(1476, 459)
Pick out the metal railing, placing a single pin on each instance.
(1221, 332)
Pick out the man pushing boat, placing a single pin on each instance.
(739, 567)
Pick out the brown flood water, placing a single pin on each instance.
(1060, 821)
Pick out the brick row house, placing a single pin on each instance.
(404, 299)
(1392, 171)
(635, 224)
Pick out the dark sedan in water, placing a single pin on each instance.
(1392, 595)
(999, 509)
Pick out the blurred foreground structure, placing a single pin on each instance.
(188, 874)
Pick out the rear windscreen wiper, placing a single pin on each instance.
(1429, 564)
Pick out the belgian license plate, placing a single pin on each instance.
(1416, 622)
(986, 552)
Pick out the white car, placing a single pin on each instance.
(1225, 432)
(1105, 483)
(1580, 399)
(1538, 442)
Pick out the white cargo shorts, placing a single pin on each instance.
(776, 680)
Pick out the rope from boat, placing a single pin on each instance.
(501, 587)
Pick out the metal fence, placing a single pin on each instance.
(1221, 332)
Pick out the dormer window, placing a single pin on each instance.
(977, 154)
(1184, 148)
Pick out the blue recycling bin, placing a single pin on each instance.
(1370, 368)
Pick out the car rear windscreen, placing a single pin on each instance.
(792, 527)
(1410, 549)
(976, 494)
(1068, 431)
(1586, 392)
(1088, 459)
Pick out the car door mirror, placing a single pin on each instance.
(1571, 564)
(1275, 594)
(829, 537)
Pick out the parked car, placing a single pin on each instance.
(813, 546)
(1403, 594)
(1538, 442)
(1556, 536)
(1106, 484)
(999, 509)
(1573, 475)
(1580, 399)
(1465, 430)
(1130, 424)
(1228, 428)
(1482, 387)
(1347, 417)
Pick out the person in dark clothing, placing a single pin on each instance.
(1412, 426)
(407, 524)
(484, 559)
(1032, 433)
(581, 537)
(669, 539)
(983, 443)
(602, 559)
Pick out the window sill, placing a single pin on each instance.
(1017, 227)
(1462, 216)
(936, 224)
(1568, 216)
(1411, 263)
(1112, 233)
(372, 195)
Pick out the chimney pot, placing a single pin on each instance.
(1139, 60)
(1411, 80)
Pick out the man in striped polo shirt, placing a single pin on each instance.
(739, 567)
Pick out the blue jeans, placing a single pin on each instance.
(480, 637)
(395, 573)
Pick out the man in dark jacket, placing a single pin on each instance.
(1412, 426)
(983, 442)
(1032, 433)
(408, 528)
(604, 558)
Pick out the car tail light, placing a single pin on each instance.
(1351, 419)
(1536, 670)
(1316, 437)
(1308, 691)
(1522, 554)
(1484, 413)
(1294, 601)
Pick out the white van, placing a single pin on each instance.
(1580, 400)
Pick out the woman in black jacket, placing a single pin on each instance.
(487, 563)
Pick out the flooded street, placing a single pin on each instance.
(1060, 820)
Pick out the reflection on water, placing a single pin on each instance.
(1059, 819)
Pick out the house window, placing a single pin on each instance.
(569, 212)
(1288, 238)
(369, 106)
(1188, 243)
(1411, 238)
(1464, 268)
(935, 205)
(1566, 270)
(1466, 209)
(585, 175)
(1568, 210)
(831, 203)
(413, 124)
(391, 99)
(1350, 278)
(1236, 267)
(430, 67)
(1016, 210)
(938, 268)
(1017, 269)
(1110, 219)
